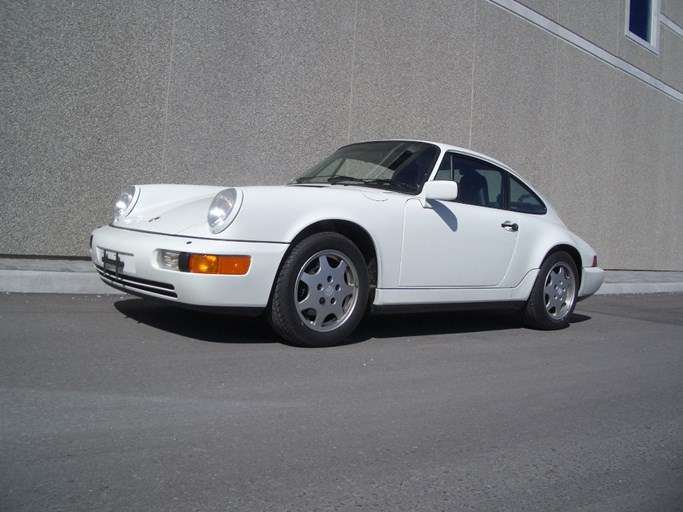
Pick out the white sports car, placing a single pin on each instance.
(376, 226)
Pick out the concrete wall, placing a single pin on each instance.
(97, 95)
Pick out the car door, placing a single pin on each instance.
(468, 242)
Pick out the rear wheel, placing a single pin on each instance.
(553, 297)
(321, 291)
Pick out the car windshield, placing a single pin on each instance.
(394, 165)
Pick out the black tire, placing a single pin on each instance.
(553, 297)
(321, 292)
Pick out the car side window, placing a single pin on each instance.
(479, 183)
(523, 199)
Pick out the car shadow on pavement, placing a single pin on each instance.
(223, 328)
(200, 325)
(426, 324)
(447, 322)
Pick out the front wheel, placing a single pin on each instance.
(321, 291)
(553, 297)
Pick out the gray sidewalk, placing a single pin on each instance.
(79, 277)
(51, 276)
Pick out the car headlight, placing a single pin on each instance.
(126, 201)
(223, 209)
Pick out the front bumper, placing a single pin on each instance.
(133, 266)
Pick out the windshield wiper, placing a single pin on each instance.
(376, 183)
(392, 184)
(306, 179)
(345, 180)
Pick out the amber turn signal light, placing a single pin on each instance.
(210, 264)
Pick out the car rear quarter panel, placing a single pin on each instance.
(540, 235)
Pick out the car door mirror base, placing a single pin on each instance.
(438, 190)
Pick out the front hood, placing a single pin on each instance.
(173, 220)
(267, 213)
(169, 209)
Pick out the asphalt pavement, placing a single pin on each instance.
(109, 402)
(113, 403)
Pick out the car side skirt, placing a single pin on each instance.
(436, 308)
(437, 296)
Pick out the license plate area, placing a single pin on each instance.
(112, 262)
(116, 263)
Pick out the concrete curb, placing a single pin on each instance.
(625, 288)
(79, 277)
(50, 281)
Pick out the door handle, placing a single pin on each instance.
(510, 226)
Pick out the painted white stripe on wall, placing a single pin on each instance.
(668, 22)
(588, 47)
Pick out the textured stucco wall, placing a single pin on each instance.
(97, 95)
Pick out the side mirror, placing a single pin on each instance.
(438, 191)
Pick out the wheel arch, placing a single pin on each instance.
(351, 230)
(573, 252)
(357, 234)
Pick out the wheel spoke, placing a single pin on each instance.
(555, 305)
(319, 318)
(308, 302)
(325, 267)
(310, 280)
(336, 309)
